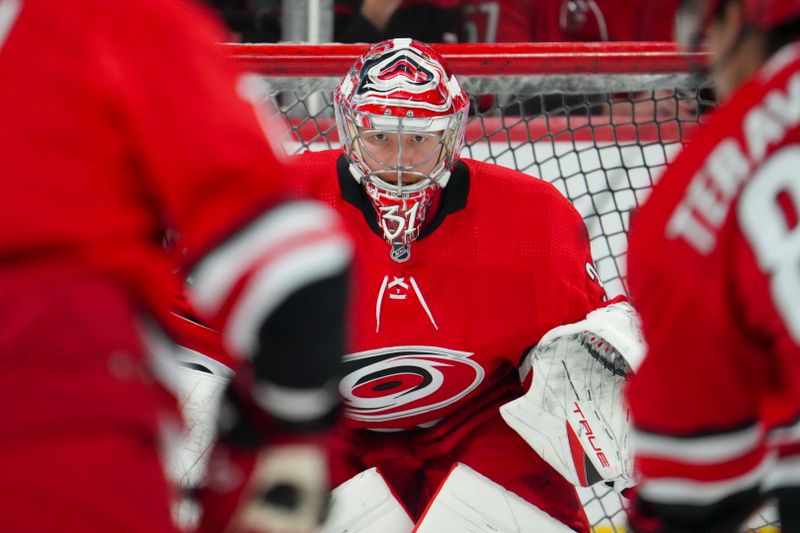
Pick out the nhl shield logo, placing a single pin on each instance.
(400, 252)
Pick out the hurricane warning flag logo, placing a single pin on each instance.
(402, 381)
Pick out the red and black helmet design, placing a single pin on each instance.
(401, 87)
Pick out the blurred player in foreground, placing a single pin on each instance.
(460, 268)
(715, 272)
(123, 121)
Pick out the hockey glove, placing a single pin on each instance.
(573, 415)
(262, 479)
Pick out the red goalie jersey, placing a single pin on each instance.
(505, 259)
(715, 273)
(436, 340)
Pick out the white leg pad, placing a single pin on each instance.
(468, 502)
(366, 504)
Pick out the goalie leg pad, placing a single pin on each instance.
(366, 504)
(467, 501)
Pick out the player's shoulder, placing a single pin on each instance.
(311, 160)
(314, 172)
(771, 87)
(517, 191)
(508, 181)
(315, 166)
(785, 63)
(537, 222)
(729, 134)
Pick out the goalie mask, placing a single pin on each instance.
(401, 118)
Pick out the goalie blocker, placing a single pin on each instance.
(573, 414)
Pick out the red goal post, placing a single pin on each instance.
(598, 120)
(480, 60)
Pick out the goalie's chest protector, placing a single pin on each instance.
(503, 260)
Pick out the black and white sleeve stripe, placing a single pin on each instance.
(702, 481)
(250, 274)
(279, 289)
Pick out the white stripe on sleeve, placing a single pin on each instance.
(697, 450)
(217, 274)
(786, 473)
(267, 288)
(785, 435)
(679, 491)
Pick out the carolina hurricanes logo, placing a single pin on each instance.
(398, 69)
(402, 66)
(401, 381)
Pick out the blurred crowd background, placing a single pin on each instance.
(451, 21)
(479, 21)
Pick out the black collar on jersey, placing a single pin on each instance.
(454, 196)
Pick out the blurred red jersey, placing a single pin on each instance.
(713, 269)
(84, 72)
(99, 160)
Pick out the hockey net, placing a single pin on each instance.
(597, 120)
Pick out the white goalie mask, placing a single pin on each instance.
(401, 118)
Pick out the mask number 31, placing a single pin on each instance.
(767, 213)
(394, 224)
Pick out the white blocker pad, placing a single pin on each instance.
(366, 504)
(574, 414)
(468, 502)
